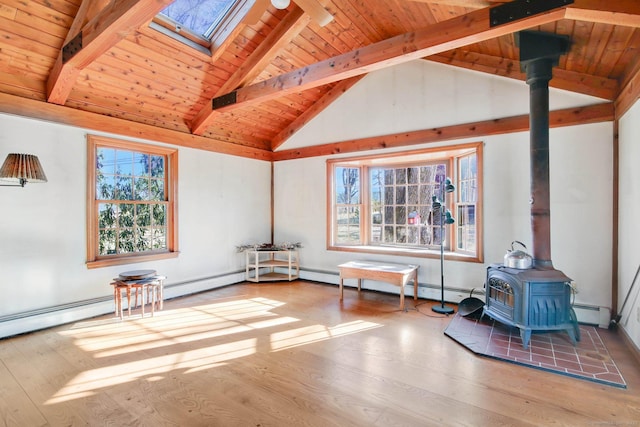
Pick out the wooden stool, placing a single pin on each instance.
(151, 287)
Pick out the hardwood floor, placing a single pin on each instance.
(289, 354)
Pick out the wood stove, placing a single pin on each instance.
(538, 298)
(531, 300)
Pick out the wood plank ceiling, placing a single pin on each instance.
(130, 78)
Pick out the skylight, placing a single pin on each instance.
(201, 17)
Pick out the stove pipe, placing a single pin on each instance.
(539, 53)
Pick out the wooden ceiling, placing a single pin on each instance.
(129, 78)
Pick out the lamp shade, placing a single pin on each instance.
(448, 186)
(22, 168)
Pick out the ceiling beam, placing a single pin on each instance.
(586, 84)
(471, 4)
(289, 28)
(612, 12)
(453, 33)
(630, 92)
(60, 114)
(559, 118)
(114, 22)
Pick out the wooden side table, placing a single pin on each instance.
(151, 288)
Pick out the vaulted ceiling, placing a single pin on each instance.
(99, 64)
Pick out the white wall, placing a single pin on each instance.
(580, 173)
(629, 231)
(422, 95)
(223, 201)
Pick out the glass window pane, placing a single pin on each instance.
(106, 215)
(124, 188)
(348, 185)
(106, 242)
(197, 15)
(159, 238)
(413, 235)
(388, 177)
(157, 189)
(124, 163)
(106, 160)
(157, 166)
(143, 239)
(159, 215)
(126, 217)
(464, 168)
(426, 174)
(105, 187)
(389, 215)
(141, 191)
(401, 214)
(401, 195)
(389, 195)
(143, 215)
(140, 164)
(413, 175)
(413, 195)
(389, 234)
(126, 241)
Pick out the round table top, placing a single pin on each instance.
(137, 274)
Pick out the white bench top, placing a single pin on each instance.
(379, 266)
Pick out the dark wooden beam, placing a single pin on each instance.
(97, 122)
(295, 21)
(560, 118)
(113, 23)
(453, 33)
(618, 12)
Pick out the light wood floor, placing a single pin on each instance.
(289, 354)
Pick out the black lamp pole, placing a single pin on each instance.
(445, 216)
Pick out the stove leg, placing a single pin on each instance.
(525, 335)
(574, 321)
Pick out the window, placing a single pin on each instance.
(385, 204)
(199, 21)
(131, 207)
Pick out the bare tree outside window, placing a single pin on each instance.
(384, 203)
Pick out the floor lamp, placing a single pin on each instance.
(440, 210)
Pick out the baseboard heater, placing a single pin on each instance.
(33, 320)
(47, 317)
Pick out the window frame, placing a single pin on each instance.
(444, 154)
(215, 35)
(94, 260)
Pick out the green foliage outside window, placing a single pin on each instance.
(132, 207)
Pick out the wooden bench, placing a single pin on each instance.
(396, 274)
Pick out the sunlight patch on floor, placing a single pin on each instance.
(139, 348)
(310, 334)
(95, 379)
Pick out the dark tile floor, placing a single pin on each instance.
(550, 351)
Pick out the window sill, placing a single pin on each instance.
(131, 259)
(408, 252)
